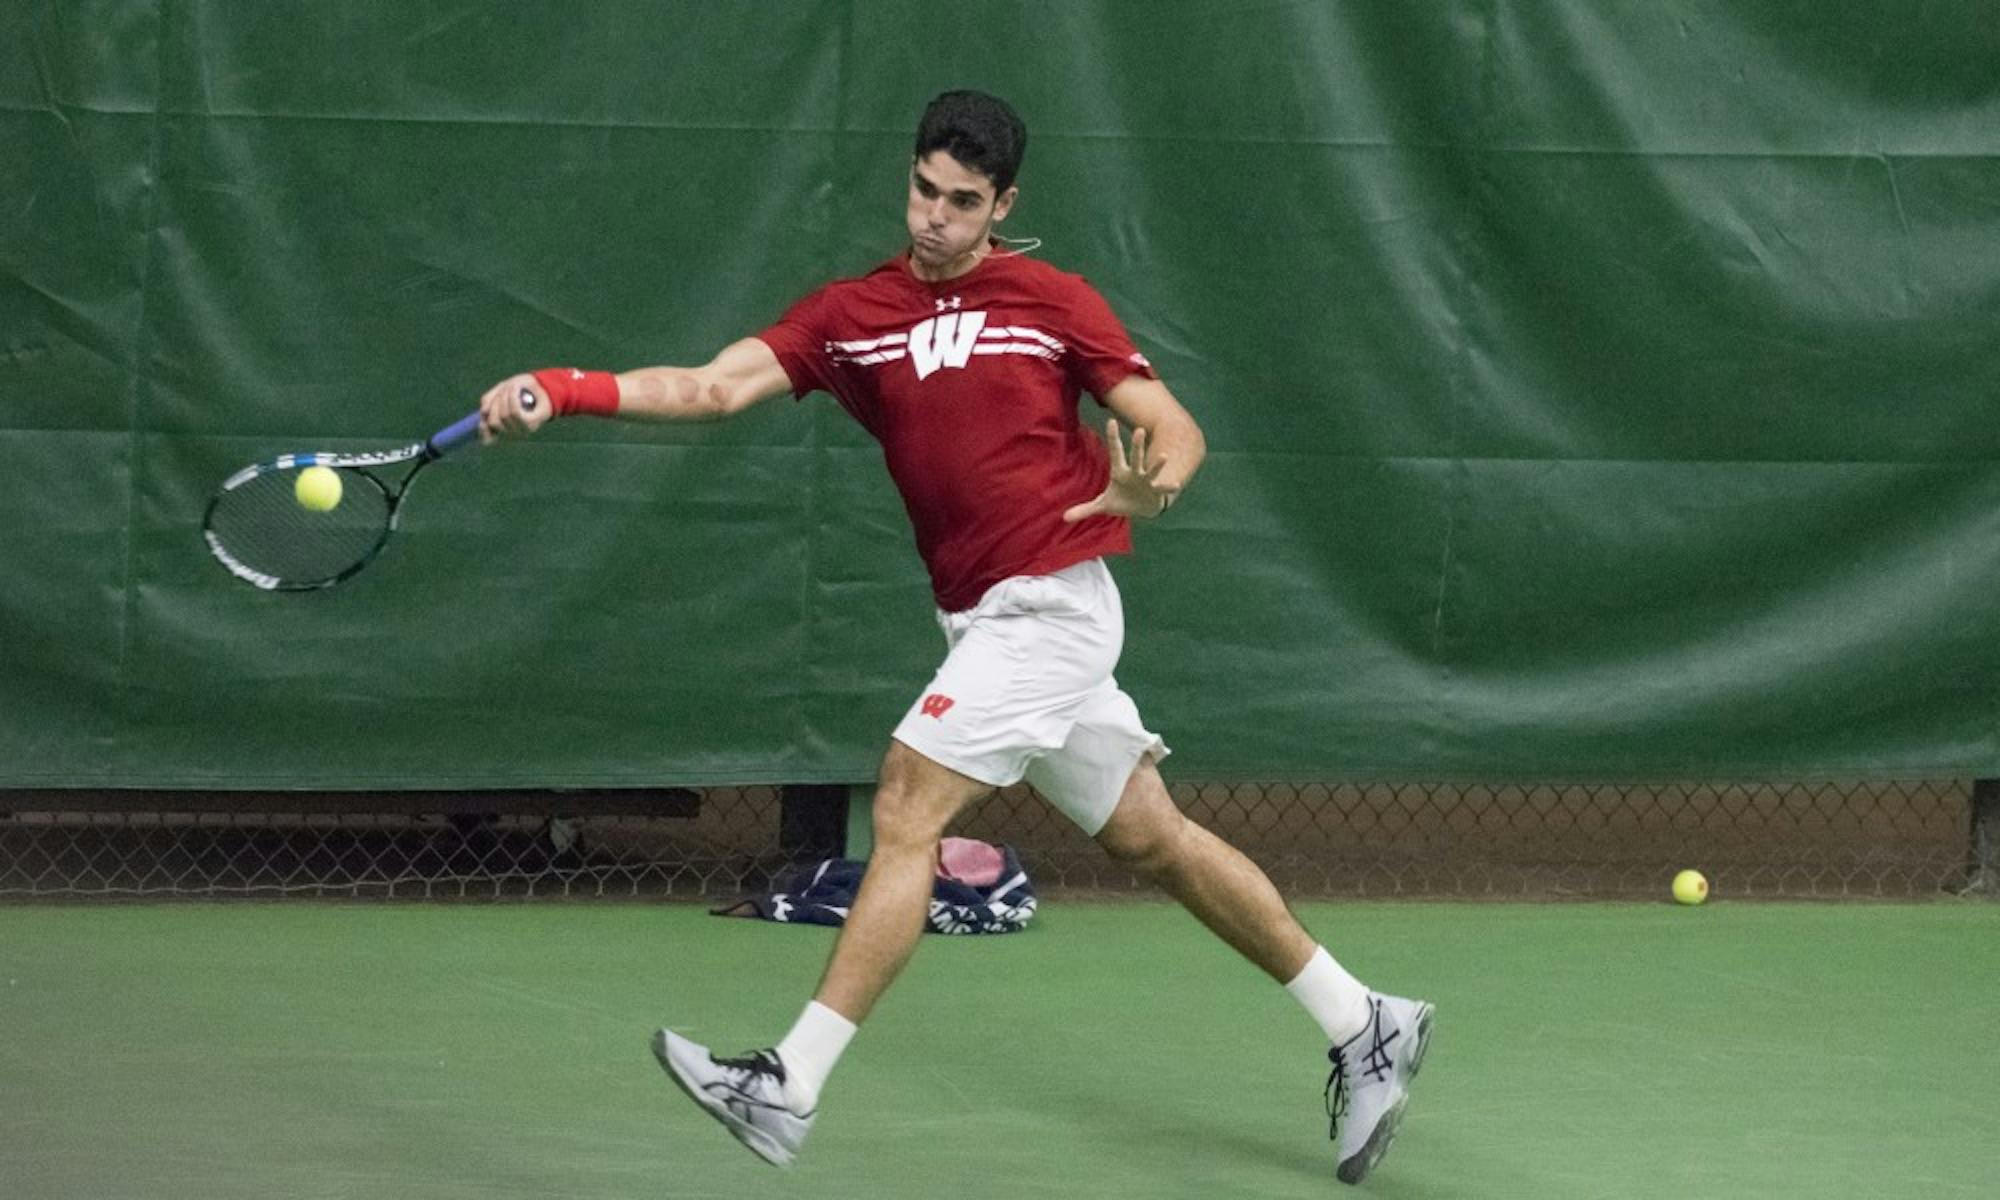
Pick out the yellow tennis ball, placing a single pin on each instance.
(318, 488)
(1690, 887)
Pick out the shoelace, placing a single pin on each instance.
(1336, 1093)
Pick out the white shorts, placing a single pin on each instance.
(1026, 693)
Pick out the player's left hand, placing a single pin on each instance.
(1135, 488)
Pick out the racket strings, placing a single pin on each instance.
(262, 525)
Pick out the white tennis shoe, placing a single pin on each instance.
(1370, 1084)
(746, 1094)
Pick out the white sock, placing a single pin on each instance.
(809, 1052)
(1337, 1000)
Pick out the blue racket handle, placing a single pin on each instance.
(454, 435)
(461, 431)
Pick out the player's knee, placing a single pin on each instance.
(903, 821)
(907, 814)
(1148, 847)
(1147, 832)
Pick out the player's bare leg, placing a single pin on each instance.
(1378, 1041)
(914, 802)
(768, 1099)
(1212, 879)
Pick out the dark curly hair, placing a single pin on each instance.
(978, 130)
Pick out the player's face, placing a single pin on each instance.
(952, 211)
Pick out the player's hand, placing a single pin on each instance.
(515, 406)
(1134, 489)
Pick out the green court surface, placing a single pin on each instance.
(260, 1050)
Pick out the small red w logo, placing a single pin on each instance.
(935, 704)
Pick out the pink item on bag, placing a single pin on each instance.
(969, 861)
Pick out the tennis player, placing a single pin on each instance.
(965, 359)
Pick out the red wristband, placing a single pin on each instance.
(590, 393)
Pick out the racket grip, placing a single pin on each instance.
(454, 435)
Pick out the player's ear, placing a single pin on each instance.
(1004, 202)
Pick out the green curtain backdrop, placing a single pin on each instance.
(1594, 388)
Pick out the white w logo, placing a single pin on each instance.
(945, 341)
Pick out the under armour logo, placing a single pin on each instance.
(954, 303)
(935, 704)
(574, 373)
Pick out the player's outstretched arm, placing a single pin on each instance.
(744, 373)
(1167, 449)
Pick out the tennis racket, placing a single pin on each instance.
(257, 527)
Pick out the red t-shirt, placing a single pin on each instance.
(971, 387)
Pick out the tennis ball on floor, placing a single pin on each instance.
(318, 488)
(1690, 887)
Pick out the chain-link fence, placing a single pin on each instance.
(1554, 841)
(1533, 841)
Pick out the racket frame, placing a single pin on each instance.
(423, 453)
